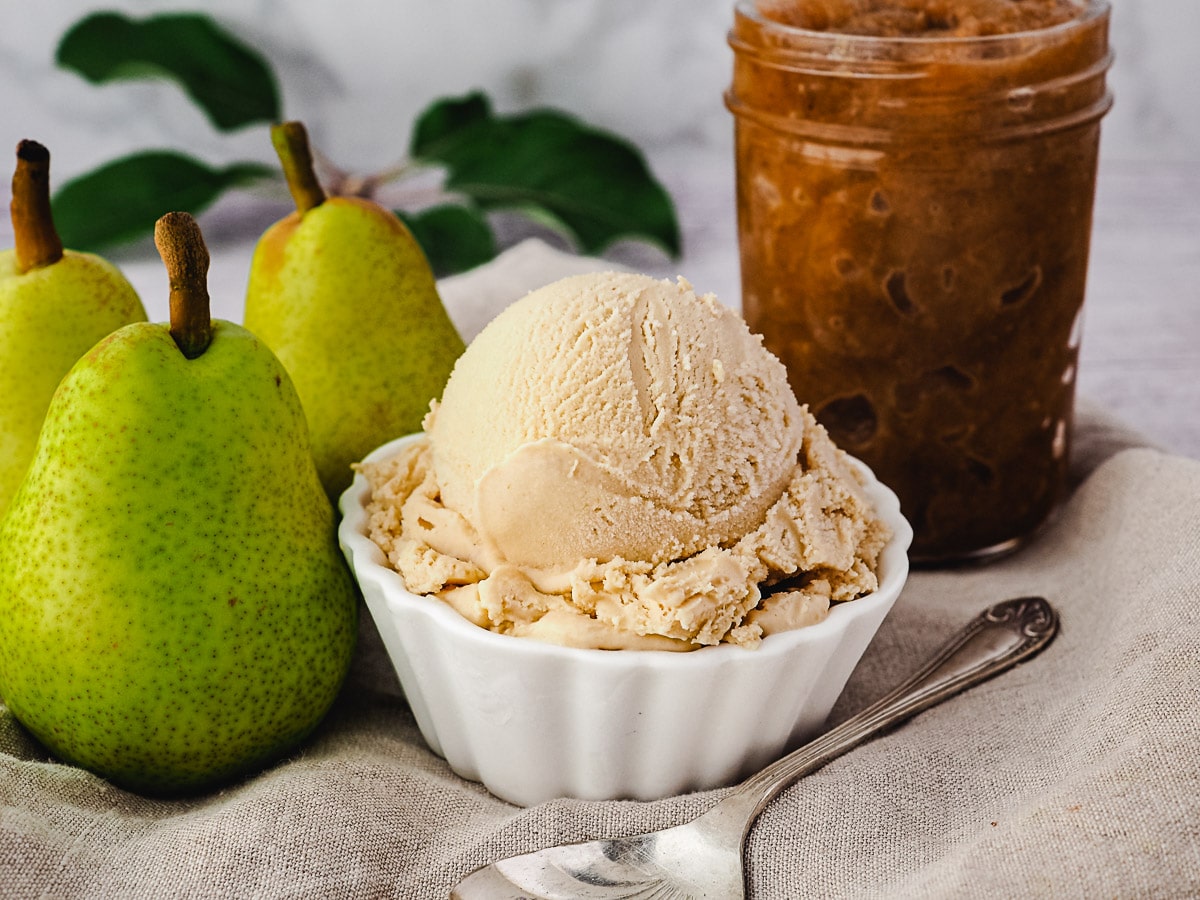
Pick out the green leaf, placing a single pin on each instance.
(229, 80)
(592, 183)
(454, 237)
(122, 200)
(443, 118)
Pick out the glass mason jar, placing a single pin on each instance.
(914, 215)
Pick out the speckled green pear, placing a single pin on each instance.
(343, 294)
(175, 609)
(55, 304)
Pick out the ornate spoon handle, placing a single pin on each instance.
(1000, 637)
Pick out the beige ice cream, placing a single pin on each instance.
(619, 463)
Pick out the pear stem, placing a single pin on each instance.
(290, 140)
(37, 242)
(182, 249)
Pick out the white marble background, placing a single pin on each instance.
(358, 70)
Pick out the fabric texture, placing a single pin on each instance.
(1076, 774)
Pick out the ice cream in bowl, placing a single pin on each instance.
(621, 560)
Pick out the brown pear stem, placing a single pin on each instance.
(37, 242)
(182, 249)
(290, 140)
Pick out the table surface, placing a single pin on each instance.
(1139, 357)
(1141, 344)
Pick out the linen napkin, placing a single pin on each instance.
(1077, 774)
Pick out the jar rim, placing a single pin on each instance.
(1089, 12)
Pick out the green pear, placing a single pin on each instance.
(55, 304)
(175, 611)
(344, 295)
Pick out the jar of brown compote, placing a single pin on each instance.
(915, 183)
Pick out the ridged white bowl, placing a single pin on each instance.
(535, 721)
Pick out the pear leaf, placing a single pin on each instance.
(441, 119)
(227, 79)
(121, 200)
(455, 237)
(592, 184)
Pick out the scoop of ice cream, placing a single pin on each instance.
(614, 415)
(617, 463)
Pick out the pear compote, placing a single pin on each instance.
(914, 185)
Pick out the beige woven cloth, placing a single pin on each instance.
(1076, 774)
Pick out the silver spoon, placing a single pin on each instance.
(703, 858)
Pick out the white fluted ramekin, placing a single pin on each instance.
(535, 721)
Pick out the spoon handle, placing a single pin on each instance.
(997, 639)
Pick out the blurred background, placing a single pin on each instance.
(358, 71)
